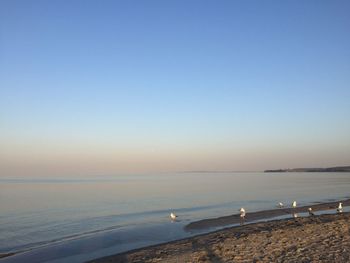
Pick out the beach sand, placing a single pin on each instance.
(324, 238)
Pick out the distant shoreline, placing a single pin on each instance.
(281, 170)
(311, 170)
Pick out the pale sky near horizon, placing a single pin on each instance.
(108, 87)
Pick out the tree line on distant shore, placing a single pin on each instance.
(328, 169)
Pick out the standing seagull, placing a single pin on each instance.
(173, 216)
(242, 215)
(340, 208)
(311, 213)
(294, 205)
(280, 205)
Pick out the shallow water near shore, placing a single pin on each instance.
(84, 218)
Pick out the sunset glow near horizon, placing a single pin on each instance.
(95, 88)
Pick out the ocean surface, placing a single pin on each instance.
(76, 219)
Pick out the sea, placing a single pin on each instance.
(75, 219)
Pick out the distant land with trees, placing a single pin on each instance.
(311, 170)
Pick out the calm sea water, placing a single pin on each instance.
(71, 220)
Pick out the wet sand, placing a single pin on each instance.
(324, 238)
(266, 214)
(6, 255)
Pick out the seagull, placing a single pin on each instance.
(242, 212)
(311, 213)
(280, 205)
(173, 216)
(294, 205)
(340, 208)
(242, 215)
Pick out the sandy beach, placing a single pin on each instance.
(324, 238)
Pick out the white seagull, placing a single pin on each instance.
(173, 216)
(294, 205)
(280, 205)
(340, 208)
(311, 213)
(242, 212)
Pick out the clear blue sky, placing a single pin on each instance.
(101, 87)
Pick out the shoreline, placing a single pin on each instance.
(259, 215)
(214, 225)
(322, 238)
(3, 255)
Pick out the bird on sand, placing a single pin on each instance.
(311, 213)
(242, 215)
(173, 216)
(242, 212)
(294, 205)
(340, 208)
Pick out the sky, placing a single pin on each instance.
(110, 87)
